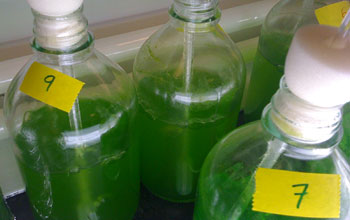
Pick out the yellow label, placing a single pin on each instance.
(333, 14)
(51, 86)
(298, 194)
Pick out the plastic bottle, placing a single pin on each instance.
(189, 78)
(82, 164)
(345, 143)
(5, 213)
(299, 131)
(277, 32)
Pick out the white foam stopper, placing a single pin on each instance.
(55, 7)
(317, 67)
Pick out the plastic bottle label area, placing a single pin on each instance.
(298, 194)
(333, 14)
(51, 86)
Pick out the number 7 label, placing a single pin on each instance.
(301, 194)
(51, 86)
(298, 194)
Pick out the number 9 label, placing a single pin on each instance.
(332, 14)
(51, 86)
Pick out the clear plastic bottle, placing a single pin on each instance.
(189, 78)
(82, 164)
(299, 131)
(226, 184)
(345, 143)
(5, 213)
(277, 32)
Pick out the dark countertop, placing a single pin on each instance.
(150, 208)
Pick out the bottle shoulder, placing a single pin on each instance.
(287, 16)
(182, 75)
(103, 80)
(246, 144)
(95, 71)
(251, 143)
(227, 178)
(172, 45)
(98, 125)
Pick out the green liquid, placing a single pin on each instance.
(172, 152)
(89, 176)
(345, 143)
(246, 214)
(267, 71)
(4, 210)
(231, 191)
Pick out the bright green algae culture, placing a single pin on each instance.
(227, 194)
(4, 210)
(267, 71)
(234, 188)
(174, 146)
(91, 174)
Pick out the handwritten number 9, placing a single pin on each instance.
(49, 79)
(344, 11)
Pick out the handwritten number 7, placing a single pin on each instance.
(302, 194)
(49, 79)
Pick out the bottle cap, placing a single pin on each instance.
(55, 7)
(317, 67)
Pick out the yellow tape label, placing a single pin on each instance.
(297, 194)
(51, 86)
(333, 14)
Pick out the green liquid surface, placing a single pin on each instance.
(172, 151)
(267, 71)
(89, 175)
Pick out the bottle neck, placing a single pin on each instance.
(61, 34)
(195, 11)
(302, 124)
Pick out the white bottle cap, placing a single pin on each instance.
(317, 67)
(55, 7)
